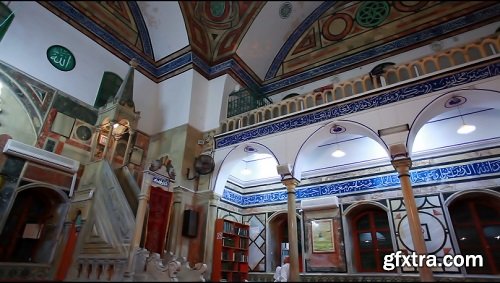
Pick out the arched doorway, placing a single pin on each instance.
(476, 221)
(33, 226)
(278, 239)
(371, 238)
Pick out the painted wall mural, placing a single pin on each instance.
(435, 229)
(34, 95)
(489, 168)
(216, 28)
(349, 29)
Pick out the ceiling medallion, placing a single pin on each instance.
(336, 129)
(285, 10)
(250, 149)
(455, 101)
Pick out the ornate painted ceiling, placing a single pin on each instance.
(270, 46)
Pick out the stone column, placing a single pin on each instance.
(294, 275)
(175, 233)
(139, 224)
(113, 151)
(403, 167)
(209, 232)
(95, 141)
(126, 158)
(106, 147)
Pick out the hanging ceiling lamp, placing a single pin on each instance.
(249, 150)
(336, 129)
(457, 101)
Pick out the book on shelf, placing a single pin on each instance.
(243, 243)
(228, 242)
(240, 257)
(228, 227)
(241, 231)
(230, 251)
(225, 256)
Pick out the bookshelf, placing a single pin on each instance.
(230, 261)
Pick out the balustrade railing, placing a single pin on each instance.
(448, 59)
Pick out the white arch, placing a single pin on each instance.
(483, 98)
(224, 168)
(323, 133)
(358, 204)
(456, 195)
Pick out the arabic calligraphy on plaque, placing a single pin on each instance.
(61, 58)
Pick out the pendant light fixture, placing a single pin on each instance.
(465, 128)
(249, 150)
(457, 101)
(336, 129)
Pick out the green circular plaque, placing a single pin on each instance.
(61, 58)
(372, 13)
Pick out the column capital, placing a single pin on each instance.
(290, 184)
(214, 199)
(402, 166)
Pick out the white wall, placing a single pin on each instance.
(34, 29)
(199, 102)
(174, 100)
(218, 90)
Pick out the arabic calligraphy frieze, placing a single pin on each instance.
(334, 111)
(425, 176)
(61, 58)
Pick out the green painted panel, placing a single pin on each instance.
(110, 84)
(6, 17)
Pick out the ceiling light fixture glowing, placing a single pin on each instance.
(246, 171)
(338, 153)
(466, 129)
(337, 130)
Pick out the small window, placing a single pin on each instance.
(458, 57)
(430, 66)
(358, 87)
(338, 93)
(293, 107)
(267, 114)
(403, 74)
(473, 53)
(444, 62)
(329, 96)
(284, 109)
